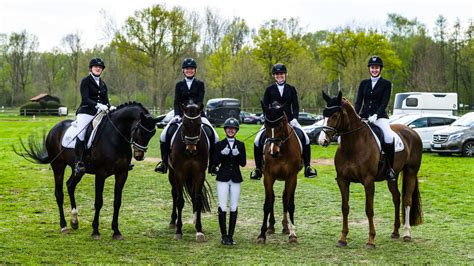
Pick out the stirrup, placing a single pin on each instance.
(161, 167)
(256, 174)
(79, 168)
(309, 172)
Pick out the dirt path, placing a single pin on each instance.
(251, 163)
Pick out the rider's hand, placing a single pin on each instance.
(235, 151)
(102, 107)
(372, 118)
(111, 108)
(294, 122)
(225, 151)
(176, 119)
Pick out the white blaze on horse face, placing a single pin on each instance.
(322, 139)
(272, 144)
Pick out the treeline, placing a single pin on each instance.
(144, 56)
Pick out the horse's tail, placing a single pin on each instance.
(34, 151)
(416, 214)
(206, 194)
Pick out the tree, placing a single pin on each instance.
(73, 45)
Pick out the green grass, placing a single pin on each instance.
(29, 219)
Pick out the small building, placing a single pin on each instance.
(44, 97)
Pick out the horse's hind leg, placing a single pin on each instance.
(344, 189)
(289, 207)
(179, 221)
(393, 187)
(120, 180)
(369, 188)
(99, 201)
(197, 207)
(267, 209)
(174, 196)
(71, 188)
(58, 170)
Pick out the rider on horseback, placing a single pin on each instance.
(188, 89)
(94, 99)
(286, 95)
(371, 103)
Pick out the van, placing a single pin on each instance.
(219, 109)
(425, 102)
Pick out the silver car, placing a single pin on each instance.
(456, 138)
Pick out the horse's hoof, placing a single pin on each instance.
(292, 239)
(75, 224)
(118, 237)
(270, 231)
(200, 237)
(178, 236)
(95, 236)
(260, 240)
(172, 226)
(395, 236)
(370, 246)
(65, 231)
(406, 238)
(341, 243)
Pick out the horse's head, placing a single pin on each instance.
(142, 132)
(191, 133)
(335, 118)
(276, 127)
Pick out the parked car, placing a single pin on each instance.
(163, 120)
(456, 138)
(425, 125)
(219, 109)
(314, 130)
(307, 119)
(249, 118)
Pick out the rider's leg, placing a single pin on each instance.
(162, 167)
(258, 157)
(83, 121)
(389, 138)
(308, 170)
(212, 140)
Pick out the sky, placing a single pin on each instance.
(51, 20)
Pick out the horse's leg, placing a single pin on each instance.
(271, 220)
(344, 189)
(409, 182)
(58, 170)
(99, 201)
(120, 180)
(291, 187)
(197, 207)
(71, 188)
(174, 195)
(267, 208)
(369, 188)
(393, 187)
(180, 206)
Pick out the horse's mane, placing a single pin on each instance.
(130, 104)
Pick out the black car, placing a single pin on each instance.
(307, 119)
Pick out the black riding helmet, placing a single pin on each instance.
(189, 62)
(375, 61)
(278, 68)
(231, 122)
(97, 61)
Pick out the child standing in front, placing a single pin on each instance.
(229, 155)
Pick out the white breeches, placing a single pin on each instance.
(223, 191)
(82, 121)
(204, 120)
(388, 133)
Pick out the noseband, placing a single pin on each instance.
(273, 140)
(194, 139)
(135, 144)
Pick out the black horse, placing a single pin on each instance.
(188, 160)
(129, 125)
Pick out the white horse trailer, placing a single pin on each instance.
(425, 102)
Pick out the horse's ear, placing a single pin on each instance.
(339, 96)
(326, 97)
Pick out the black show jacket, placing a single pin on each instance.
(289, 99)
(373, 101)
(229, 164)
(91, 95)
(182, 94)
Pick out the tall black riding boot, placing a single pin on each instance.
(79, 168)
(232, 222)
(258, 156)
(162, 167)
(222, 225)
(390, 153)
(309, 172)
(212, 169)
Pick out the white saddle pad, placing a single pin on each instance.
(399, 146)
(69, 138)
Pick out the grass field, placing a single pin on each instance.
(29, 219)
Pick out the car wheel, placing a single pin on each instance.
(468, 149)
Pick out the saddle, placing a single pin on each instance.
(69, 138)
(379, 138)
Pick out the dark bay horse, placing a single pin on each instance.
(129, 125)
(188, 162)
(282, 161)
(357, 160)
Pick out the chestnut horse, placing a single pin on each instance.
(188, 160)
(129, 125)
(282, 161)
(357, 160)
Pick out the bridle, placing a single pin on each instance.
(340, 122)
(272, 139)
(193, 140)
(135, 128)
